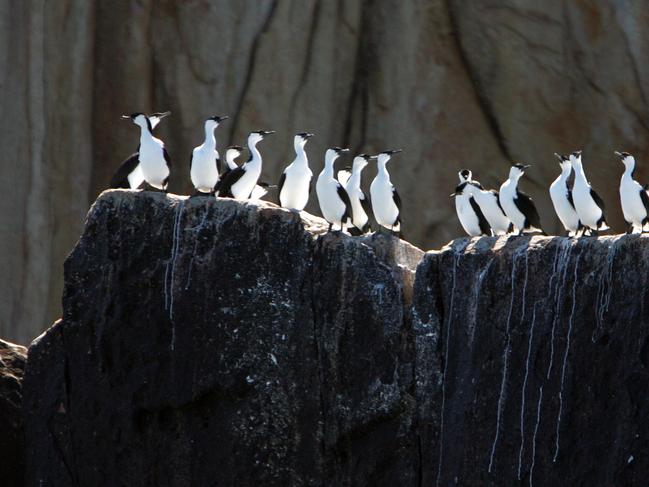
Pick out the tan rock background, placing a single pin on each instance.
(456, 83)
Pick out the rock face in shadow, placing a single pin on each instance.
(214, 342)
(533, 362)
(12, 440)
(209, 342)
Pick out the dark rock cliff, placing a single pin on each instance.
(544, 344)
(12, 440)
(209, 342)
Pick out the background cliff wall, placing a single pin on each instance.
(456, 84)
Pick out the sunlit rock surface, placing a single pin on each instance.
(210, 342)
(12, 443)
(544, 345)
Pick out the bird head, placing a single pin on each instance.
(465, 175)
(517, 170)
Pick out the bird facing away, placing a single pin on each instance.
(232, 153)
(295, 182)
(468, 211)
(633, 196)
(204, 163)
(489, 203)
(129, 173)
(518, 206)
(561, 196)
(240, 182)
(154, 159)
(386, 203)
(332, 197)
(360, 221)
(465, 175)
(588, 204)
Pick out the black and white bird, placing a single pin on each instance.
(295, 183)
(633, 196)
(232, 153)
(334, 201)
(465, 175)
(489, 203)
(240, 182)
(561, 196)
(588, 204)
(518, 206)
(386, 203)
(204, 162)
(360, 221)
(468, 211)
(129, 173)
(154, 160)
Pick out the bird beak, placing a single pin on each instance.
(126, 117)
(308, 136)
(452, 195)
(163, 114)
(220, 119)
(267, 132)
(527, 165)
(373, 157)
(558, 157)
(344, 150)
(619, 154)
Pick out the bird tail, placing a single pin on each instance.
(258, 192)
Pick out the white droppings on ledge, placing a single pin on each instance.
(502, 397)
(565, 355)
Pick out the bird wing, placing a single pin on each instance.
(348, 204)
(645, 199)
(597, 199)
(497, 195)
(569, 195)
(397, 201)
(396, 198)
(280, 185)
(365, 203)
(218, 164)
(167, 158)
(482, 221)
(259, 191)
(120, 178)
(191, 160)
(225, 189)
(526, 206)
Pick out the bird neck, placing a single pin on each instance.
(145, 133)
(300, 154)
(629, 169)
(565, 172)
(229, 160)
(579, 172)
(383, 170)
(514, 181)
(210, 139)
(355, 178)
(255, 156)
(329, 166)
